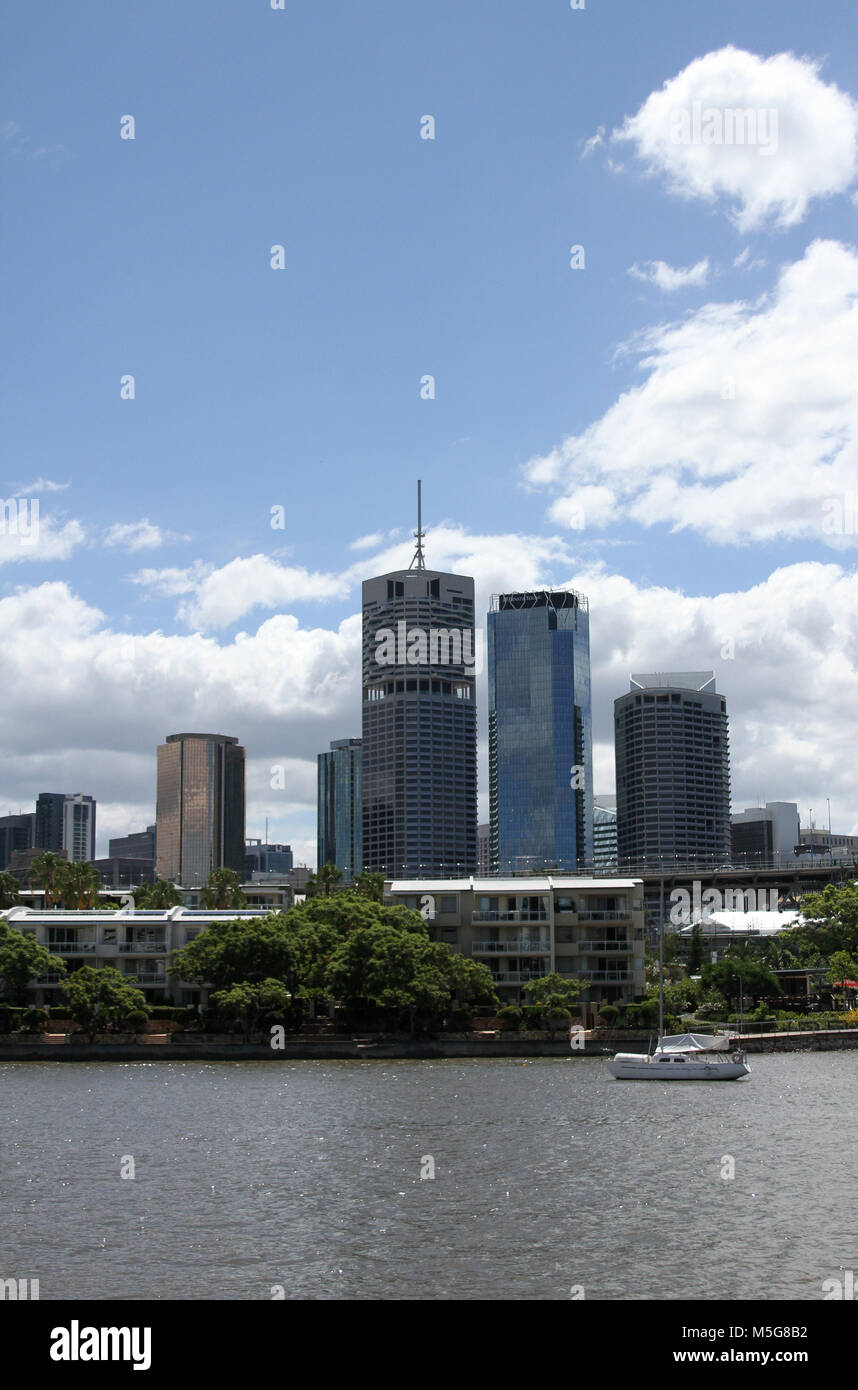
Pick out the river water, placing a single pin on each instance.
(254, 1178)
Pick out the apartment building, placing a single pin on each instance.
(524, 927)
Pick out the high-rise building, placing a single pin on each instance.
(339, 837)
(66, 821)
(604, 833)
(484, 862)
(765, 834)
(672, 747)
(200, 809)
(540, 744)
(266, 858)
(419, 722)
(138, 845)
(16, 833)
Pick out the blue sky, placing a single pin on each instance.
(404, 257)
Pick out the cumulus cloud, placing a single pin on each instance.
(43, 485)
(766, 134)
(140, 535)
(669, 278)
(746, 427)
(26, 535)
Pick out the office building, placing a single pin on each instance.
(604, 834)
(816, 845)
(419, 741)
(65, 821)
(16, 833)
(139, 845)
(540, 743)
(765, 834)
(200, 808)
(339, 809)
(673, 772)
(484, 862)
(262, 858)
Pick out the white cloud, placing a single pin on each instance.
(594, 142)
(26, 535)
(140, 535)
(669, 278)
(805, 145)
(746, 427)
(43, 485)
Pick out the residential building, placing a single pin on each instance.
(65, 821)
(522, 928)
(16, 833)
(419, 760)
(765, 834)
(339, 807)
(200, 808)
(540, 742)
(673, 772)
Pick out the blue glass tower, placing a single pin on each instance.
(540, 741)
(340, 831)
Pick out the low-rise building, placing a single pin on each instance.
(523, 927)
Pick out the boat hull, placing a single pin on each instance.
(631, 1068)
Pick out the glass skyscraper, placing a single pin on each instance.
(339, 838)
(200, 808)
(419, 723)
(540, 742)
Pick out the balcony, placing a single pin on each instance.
(515, 946)
(604, 915)
(70, 948)
(516, 977)
(602, 947)
(147, 977)
(606, 977)
(513, 915)
(156, 947)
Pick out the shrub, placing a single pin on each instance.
(509, 1016)
(460, 1020)
(531, 1016)
(10, 1017)
(136, 1021)
(33, 1019)
(608, 1013)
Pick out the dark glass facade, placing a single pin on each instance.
(66, 821)
(672, 747)
(200, 808)
(340, 803)
(540, 740)
(16, 833)
(419, 724)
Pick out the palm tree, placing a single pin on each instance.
(79, 885)
(370, 885)
(8, 890)
(159, 894)
(223, 890)
(48, 871)
(327, 875)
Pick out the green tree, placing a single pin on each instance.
(557, 995)
(830, 921)
(8, 890)
(249, 1003)
(78, 886)
(842, 966)
(159, 894)
(48, 871)
(733, 975)
(325, 879)
(369, 885)
(223, 890)
(100, 999)
(22, 959)
(232, 953)
(696, 949)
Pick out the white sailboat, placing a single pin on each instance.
(681, 1056)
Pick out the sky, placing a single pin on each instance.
(589, 273)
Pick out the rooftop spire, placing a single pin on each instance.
(419, 562)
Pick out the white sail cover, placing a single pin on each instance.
(694, 1042)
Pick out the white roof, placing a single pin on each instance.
(744, 923)
(523, 886)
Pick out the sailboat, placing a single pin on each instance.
(680, 1056)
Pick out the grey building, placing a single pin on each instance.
(124, 871)
(139, 845)
(673, 772)
(65, 821)
(263, 858)
(604, 833)
(200, 808)
(419, 722)
(484, 861)
(16, 833)
(339, 818)
(765, 834)
(540, 742)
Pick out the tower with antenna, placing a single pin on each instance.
(419, 723)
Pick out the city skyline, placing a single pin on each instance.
(619, 359)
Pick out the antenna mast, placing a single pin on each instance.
(419, 562)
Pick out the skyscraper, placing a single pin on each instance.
(16, 833)
(540, 745)
(419, 722)
(339, 809)
(673, 771)
(66, 821)
(200, 808)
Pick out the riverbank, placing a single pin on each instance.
(200, 1047)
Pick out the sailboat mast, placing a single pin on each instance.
(661, 962)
